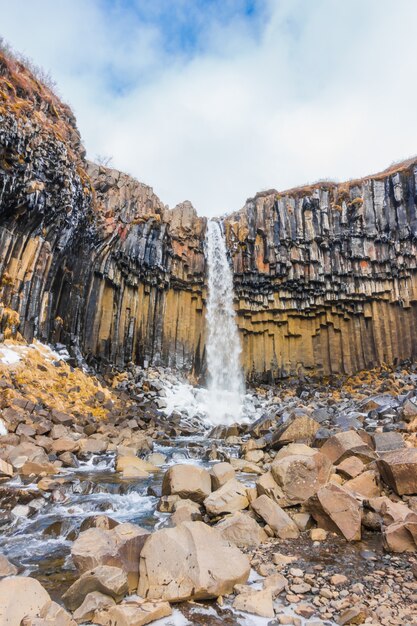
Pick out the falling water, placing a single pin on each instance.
(225, 380)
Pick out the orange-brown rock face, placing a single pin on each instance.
(325, 276)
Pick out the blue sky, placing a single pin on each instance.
(214, 100)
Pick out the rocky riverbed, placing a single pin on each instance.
(121, 504)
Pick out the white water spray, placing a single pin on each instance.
(225, 380)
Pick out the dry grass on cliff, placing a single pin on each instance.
(40, 378)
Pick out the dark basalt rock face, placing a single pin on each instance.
(325, 275)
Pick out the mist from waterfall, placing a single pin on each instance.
(225, 394)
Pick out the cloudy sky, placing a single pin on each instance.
(214, 100)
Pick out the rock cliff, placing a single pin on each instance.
(325, 275)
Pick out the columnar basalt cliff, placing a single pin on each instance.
(325, 276)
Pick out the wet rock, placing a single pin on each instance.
(156, 458)
(133, 613)
(190, 561)
(399, 470)
(346, 444)
(256, 602)
(282, 525)
(106, 579)
(20, 597)
(120, 547)
(220, 474)
(242, 530)
(98, 521)
(337, 510)
(300, 471)
(94, 601)
(229, 498)
(188, 482)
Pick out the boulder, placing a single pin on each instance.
(351, 467)
(187, 481)
(300, 471)
(190, 561)
(121, 547)
(52, 614)
(133, 613)
(6, 568)
(241, 465)
(6, 469)
(301, 428)
(132, 466)
(220, 474)
(266, 485)
(242, 530)
(94, 601)
(256, 602)
(185, 511)
(281, 524)
(399, 470)
(20, 597)
(365, 485)
(228, 499)
(109, 580)
(385, 442)
(336, 509)
(343, 445)
(401, 536)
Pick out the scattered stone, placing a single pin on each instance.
(131, 613)
(121, 547)
(318, 534)
(229, 498)
(300, 471)
(7, 568)
(346, 444)
(109, 580)
(335, 509)
(256, 602)
(220, 474)
(242, 530)
(20, 597)
(399, 470)
(94, 601)
(282, 525)
(187, 481)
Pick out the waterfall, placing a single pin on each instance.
(225, 379)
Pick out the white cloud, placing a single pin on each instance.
(319, 89)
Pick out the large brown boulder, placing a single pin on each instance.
(187, 481)
(109, 580)
(281, 523)
(401, 536)
(229, 498)
(133, 613)
(242, 530)
(337, 510)
(190, 561)
(220, 474)
(121, 547)
(399, 470)
(300, 471)
(20, 597)
(365, 485)
(346, 444)
(300, 428)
